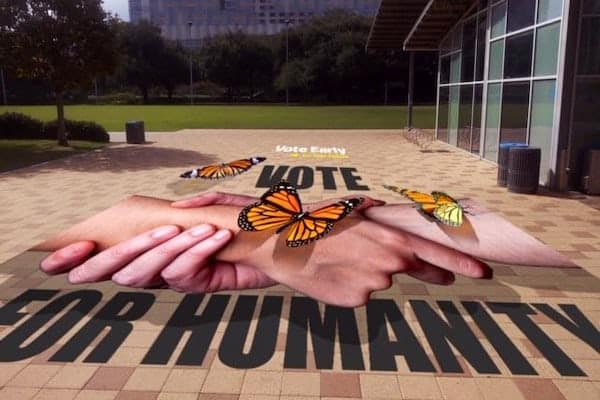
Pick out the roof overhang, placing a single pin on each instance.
(394, 20)
(414, 24)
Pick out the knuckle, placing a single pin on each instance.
(119, 252)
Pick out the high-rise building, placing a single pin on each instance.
(191, 21)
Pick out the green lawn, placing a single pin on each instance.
(168, 118)
(22, 153)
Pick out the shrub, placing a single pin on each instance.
(78, 130)
(20, 126)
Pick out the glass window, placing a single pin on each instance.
(589, 47)
(492, 122)
(453, 114)
(549, 9)
(464, 117)
(515, 106)
(591, 6)
(446, 45)
(456, 38)
(480, 56)
(496, 59)
(519, 48)
(585, 133)
(445, 69)
(520, 14)
(455, 68)
(499, 20)
(468, 51)
(542, 117)
(442, 133)
(476, 131)
(546, 49)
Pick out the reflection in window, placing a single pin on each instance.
(464, 117)
(589, 47)
(456, 38)
(585, 133)
(520, 14)
(480, 57)
(492, 122)
(517, 62)
(515, 105)
(542, 117)
(468, 50)
(549, 9)
(455, 68)
(499, 20)
(442, 133)
(546, 49)
(453, 114)
(496, 59)
(591, 6)
(476, 131)
(445, 69)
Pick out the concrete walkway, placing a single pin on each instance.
(42, 200)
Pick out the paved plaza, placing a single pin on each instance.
(42, 200)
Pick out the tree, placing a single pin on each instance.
(173, 68)
(238, 62)
(64, 42)
(143, 49)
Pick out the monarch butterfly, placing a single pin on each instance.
(280, 208)
(223, 170)
(438, 205)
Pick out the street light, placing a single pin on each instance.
(191, 73)
(287, 60)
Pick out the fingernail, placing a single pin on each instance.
(122, 277)
(201, 230)
(165, 231)
(221, 235)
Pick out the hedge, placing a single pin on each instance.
(21, 126)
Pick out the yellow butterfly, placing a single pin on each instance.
(438, 205)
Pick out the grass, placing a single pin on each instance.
(170, 118)
(22, 153)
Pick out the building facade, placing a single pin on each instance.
(191, 21)
(512, 71)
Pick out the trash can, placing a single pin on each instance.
(134, 131)
(524, 169)
(503, 161)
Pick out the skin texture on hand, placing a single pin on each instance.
(355, 259)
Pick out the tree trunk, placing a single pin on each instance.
(61, 132)
(145, 95)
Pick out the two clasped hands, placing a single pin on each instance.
(194, 245)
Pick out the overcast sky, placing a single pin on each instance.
(120, 7)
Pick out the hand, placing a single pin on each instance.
(330, 270)
(165, 256)
(161, 257)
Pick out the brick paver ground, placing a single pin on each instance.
(44, 199)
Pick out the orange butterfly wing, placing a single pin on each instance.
(318, 223)
(223, 170)
(280, 207)
(275, 210)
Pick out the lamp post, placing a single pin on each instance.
(191, 66)
(287, 60)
